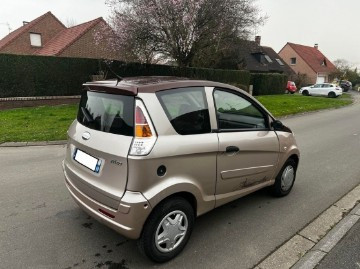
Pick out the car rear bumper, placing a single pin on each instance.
(128, 219)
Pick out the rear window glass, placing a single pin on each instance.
(186, 109)
(108, 113)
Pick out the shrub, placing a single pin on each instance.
(268, 84)
(23, 75)
(38, 76)
(138, 69)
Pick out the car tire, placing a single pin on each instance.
(305, 93)
(178, 215)
(331, 95)
(284, 181)
(292, 92)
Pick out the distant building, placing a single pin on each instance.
(262, 59)
(309, 61)
(47, 36)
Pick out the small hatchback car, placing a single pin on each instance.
(146, 155)
(291, 87)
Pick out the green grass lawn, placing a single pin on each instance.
(43, 123)
(283, 105)
(48, 123)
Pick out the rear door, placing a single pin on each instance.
(248, 149)
(325, 89)
(99, 142)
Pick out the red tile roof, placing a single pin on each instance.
(13, 35)
(314, 58)
(67, 37)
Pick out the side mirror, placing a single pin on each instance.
(277, 125)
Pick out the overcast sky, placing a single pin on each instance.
(333, 24)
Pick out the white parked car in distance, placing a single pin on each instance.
(322, 89)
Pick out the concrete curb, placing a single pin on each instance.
(311, 244)
(30, 144)
(321, 249)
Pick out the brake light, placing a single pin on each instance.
(142, 128)
(145, 136)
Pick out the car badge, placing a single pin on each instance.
(86, 136)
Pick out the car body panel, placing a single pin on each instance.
(107, 186)
(196, 165)
(254, 163)
(189, 163)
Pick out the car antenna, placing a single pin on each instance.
(118, 78)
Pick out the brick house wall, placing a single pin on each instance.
(86, 47)
(301, 66)
(48, 27)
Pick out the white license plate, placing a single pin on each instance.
(87, 160)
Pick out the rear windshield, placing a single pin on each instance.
(108, 113)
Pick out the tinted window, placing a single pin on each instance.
(186, 109)
(108, 113)
(235, 112)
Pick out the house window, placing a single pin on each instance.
(268, 59)
(279, 62)
(293, 61)
(35, 40)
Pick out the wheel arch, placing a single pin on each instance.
(296, 159)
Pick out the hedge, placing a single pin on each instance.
(268, 84)
(43, 76)
(239, 77)
(23, 75)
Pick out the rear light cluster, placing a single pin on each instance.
(145, 136)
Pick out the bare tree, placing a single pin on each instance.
(148, 30)
(70, 22)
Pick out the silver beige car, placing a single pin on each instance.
(147, 155)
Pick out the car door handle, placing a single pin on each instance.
(232, 149)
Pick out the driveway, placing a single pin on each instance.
(41, 227)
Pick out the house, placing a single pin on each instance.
(308, 61)
(47, 36)
(261, 59)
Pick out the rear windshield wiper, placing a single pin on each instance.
(86, 114)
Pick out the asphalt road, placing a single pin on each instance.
(41, 227)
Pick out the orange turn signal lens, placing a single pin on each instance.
(143, 130)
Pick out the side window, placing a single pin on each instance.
(186, 109)
(235, 112)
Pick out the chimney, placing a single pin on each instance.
(258, 40)
(25, 22)
(316, 46)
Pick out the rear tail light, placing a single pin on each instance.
(145, 136)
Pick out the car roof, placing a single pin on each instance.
(150, 84)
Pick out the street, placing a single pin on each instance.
(42, 227)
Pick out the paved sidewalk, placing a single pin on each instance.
(346, 254)
(339, 248)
